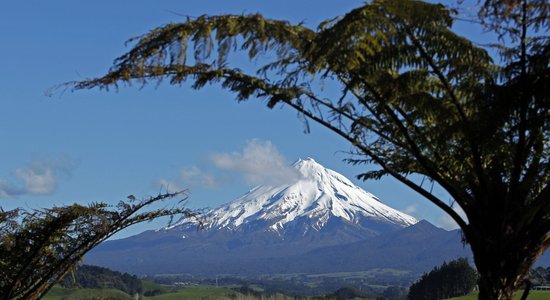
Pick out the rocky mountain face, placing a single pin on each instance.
(321, 222)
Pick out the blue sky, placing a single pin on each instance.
(102, 146)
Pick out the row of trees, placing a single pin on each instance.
(540, 276)
(452, 279)
(94, 277)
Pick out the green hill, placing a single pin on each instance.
(533, 295)
(93, 277)
(60, 293)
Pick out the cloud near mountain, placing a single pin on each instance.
(260, 163)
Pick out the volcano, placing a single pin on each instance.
(319, 198)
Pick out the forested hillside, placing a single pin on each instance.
(93, 277)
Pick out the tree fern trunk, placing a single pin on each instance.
(491, 290)
(503, 262)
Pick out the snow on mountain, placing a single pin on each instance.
(318, 196)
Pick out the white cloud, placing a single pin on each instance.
(38, 181)
(38, 177)
(259, 163)
(190, 177)
(194, 176)
(411, 209)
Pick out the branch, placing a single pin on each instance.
(166, 47)
(367, 105)
(520, 156)
(360, 121)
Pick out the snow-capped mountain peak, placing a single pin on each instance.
(317, 197)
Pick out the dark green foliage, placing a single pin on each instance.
(395, 293)
(152, 293)
(93, 277)
(416, 98)
(452, 279)
(246, 290)
(347, 293)
(39, 247)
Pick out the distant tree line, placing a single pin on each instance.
(394, 293)
(93, 277)
(540, 276)
(452, 279)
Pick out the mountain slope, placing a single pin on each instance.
(418, 248)
(318, 195)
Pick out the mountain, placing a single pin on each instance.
(316, 199)
(320, 222)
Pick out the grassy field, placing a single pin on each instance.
(151, 286)
(194, 293)
(533, 295)
(199, 292)
(58, 293)
(363, 274)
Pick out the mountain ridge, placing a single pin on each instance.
(318, 195)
